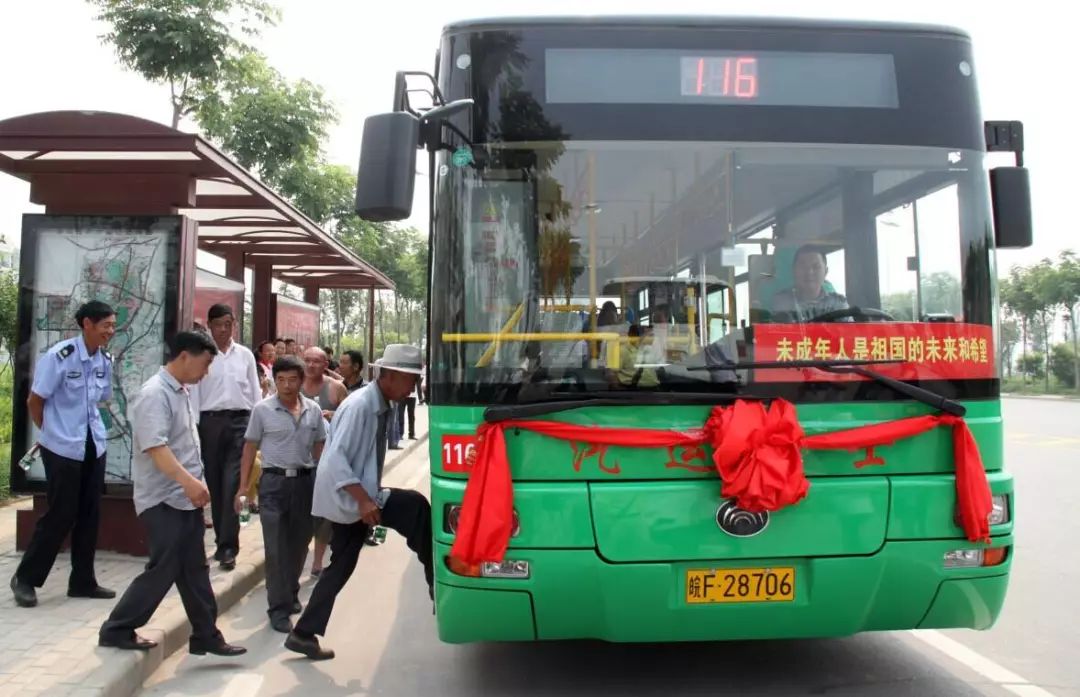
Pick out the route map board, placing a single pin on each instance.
(131, 263)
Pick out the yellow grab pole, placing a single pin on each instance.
(489, 353)
(612, 338)
(592, 248)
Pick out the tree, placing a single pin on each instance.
(1067, 293)
(1032, 365)
(1063, 364)
(9, 306)
(1018, 297)
(1010, 336)
(901, 306)
(1042, 280)
(269, 125)
(941, 294)
(184, 44)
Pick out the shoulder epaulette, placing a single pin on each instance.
(65, 352)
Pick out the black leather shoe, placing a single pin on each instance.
(97, 592)
(309, 646)
(129, 643)
(281, 624)
(228, 561)
(297, 608)
(222, 648)
(25, 595)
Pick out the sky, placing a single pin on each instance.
(53, 59)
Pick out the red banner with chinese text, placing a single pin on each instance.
(930, 350)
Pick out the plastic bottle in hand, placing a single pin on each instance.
(245, 511)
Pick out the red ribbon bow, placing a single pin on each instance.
(757, 453)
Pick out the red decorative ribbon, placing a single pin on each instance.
(757, 453)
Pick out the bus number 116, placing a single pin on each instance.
(458, 453)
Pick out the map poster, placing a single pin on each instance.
(131, 263)
(211, 289)
(295, 320)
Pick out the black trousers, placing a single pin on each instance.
(407, 512)
(177, 555)
(285, 515)
(409, 403)
(74, 496)
(222, 437)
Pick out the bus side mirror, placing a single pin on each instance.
(387, 174)
(1011, 194)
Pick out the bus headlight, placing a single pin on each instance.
(971, 558)
(999, 511)
(452, 515)
(508, 568)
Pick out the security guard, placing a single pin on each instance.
(69, 381)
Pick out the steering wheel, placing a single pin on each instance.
(860, 313)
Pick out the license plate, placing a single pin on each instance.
(771, 585)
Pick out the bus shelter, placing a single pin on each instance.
(127, 204)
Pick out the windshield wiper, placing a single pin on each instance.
(840, 367)
(605, 398)
(919, 394)
(497, 413)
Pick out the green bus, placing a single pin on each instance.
(638, 223)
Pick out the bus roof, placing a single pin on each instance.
(697, 21)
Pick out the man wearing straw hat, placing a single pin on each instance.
(349, 494)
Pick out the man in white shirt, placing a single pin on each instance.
(225, 398)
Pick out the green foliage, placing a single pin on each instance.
(1063, 364)
(273, 127)
(941, 294)
(1036, 296)
(7, 396)
(323, 192)
(9, 306)
(5, 470)
(268, 124)
(1032, 365)
(182, 43)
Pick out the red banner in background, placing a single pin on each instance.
(296, 320)
(930, 350)
(211, 289)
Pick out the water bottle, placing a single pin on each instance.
(245, 511)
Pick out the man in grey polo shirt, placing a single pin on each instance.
(349, 493)
(288, 429)
(170, 493)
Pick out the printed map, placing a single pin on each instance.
(127, 269)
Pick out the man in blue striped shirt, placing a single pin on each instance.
(288, 429)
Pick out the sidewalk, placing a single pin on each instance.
(52, 650)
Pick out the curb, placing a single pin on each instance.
(1046, 397)
(409, 450)
(123, 673)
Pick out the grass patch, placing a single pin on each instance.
(5, 471)
(7, 401)
(1037, 387)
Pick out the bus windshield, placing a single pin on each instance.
(583, 266)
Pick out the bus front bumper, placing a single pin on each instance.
(574, 594)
